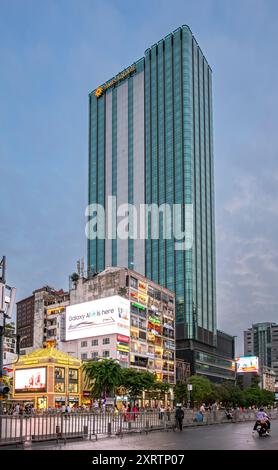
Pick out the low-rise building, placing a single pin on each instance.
(146, 341)
(268, 378)
(32, 319)
(47, 378)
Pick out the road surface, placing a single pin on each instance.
(230, 436)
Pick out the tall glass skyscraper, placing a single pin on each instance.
(150, 141)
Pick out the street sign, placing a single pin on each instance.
(189, 387)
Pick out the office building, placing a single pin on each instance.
(151, 142)
(261, 340)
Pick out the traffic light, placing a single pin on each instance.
(4, 389)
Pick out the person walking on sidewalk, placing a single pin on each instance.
(179, 416)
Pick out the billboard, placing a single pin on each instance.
(98, 317)
(247, 364)
(30, 380)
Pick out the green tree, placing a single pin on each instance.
(102, 377)
(159, 389)
(135, 382)
(229, 394)
(268, 398)
(202, 389)
(74, 277)
(122, 291)
(180, 393)
(252, 396)
(162, 387)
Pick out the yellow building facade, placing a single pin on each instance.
(47, 378)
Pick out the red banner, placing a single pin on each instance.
(122, 339)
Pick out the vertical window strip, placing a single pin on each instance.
(130, 166)
(114, 164)
(154, 168)
(189, 185)
(92, 255)
(101, 173)
(161, 156)
(148, 180)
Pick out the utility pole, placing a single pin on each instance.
(2, 326)
(7, 298)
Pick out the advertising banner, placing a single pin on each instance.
(30, 380)
(123, 339)
(247, 364)
(98, 317)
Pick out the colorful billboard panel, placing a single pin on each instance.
(98, 317)
(247, 364)
(30, 380)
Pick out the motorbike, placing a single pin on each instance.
(262, 428)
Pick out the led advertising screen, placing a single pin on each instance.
(247, 364)
(98, 317)
(30, 380)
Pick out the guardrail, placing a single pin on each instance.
(19, 430)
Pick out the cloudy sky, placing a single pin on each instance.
(53, 53)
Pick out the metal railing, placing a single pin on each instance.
(22, 429)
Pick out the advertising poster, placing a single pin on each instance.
(30, 380)
(98, 317)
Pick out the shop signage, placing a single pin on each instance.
(154, 320)
(51, 311)
(123, 339)
(142, 286)
(121, 347)
(114, 80)
(143, 298)
(134, 304)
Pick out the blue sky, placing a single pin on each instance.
(53, 53)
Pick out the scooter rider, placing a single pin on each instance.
(262, 416)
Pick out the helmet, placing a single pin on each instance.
(178, 405)
(261, 409)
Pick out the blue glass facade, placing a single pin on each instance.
(167, 147)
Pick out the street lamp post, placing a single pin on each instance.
(234, 358)
(189, 389)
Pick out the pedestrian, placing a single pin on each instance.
(124, 411)
(135, 410)
(68, 410)
(128, 412)
(179, 416)
(214, 411)
(168, 411)
(202, 409)
(161, 412)
(116, 411)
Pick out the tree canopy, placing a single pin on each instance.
(135, 381)
(102, 377)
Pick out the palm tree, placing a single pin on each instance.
(102, 377)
